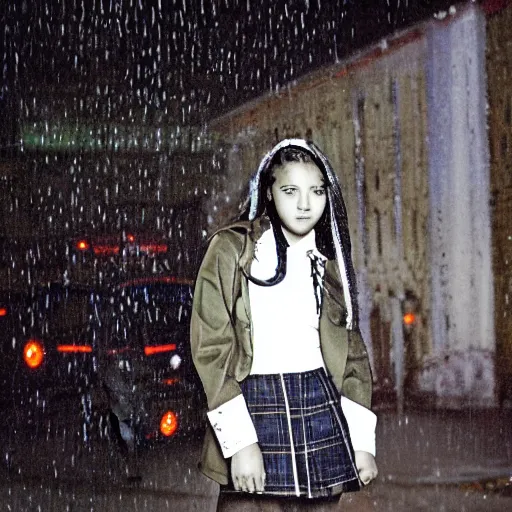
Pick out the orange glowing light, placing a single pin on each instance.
(158, 349)
(409, 318)
(84, 349)
(130, 238)
(82, 245)
(171, 382)
(33, 353)
(168, 424)
(3, 311)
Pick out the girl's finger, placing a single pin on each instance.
(260, 487)
(367, 477)
(250, 483)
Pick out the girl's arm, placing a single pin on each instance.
(361, 425)
(356, 402)
(213, 343)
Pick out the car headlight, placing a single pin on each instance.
(175, 361)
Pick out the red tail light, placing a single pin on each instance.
(84, 349)
(106, 250)
(3, 311)
(158, 349)
(33, 353)
(170, 382)
(169, 424)
(153, 248)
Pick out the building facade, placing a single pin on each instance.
(404, 123)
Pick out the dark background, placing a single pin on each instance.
(174, 61)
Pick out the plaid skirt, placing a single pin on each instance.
(302, 434)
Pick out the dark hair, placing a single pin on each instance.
(323, 235)
(288, 155)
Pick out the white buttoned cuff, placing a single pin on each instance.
(233, 426)
(361, 425)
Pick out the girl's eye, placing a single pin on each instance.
(320, 191)
(289, 191)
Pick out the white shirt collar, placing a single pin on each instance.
(304, 245)
(265, 256)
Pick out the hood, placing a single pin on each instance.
(319, 158)
(339, 229)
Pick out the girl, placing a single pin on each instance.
(276, 343)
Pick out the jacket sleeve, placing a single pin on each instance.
(357, 380)
(212, 333)
(213, 343)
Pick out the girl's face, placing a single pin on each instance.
(299, 196)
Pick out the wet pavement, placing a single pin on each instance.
(444, 461)
(444, 447)
(439, 461)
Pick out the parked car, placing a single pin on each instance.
(145, 364)
(122, 349)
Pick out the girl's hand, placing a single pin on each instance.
(367, 467)
(247, 469)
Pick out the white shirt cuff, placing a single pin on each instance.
(361, 425)
(233, 426)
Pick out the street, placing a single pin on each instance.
(58, 469)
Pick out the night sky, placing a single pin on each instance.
(179, 61)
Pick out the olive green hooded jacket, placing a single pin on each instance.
(221, 338)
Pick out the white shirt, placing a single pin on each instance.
(284, 316)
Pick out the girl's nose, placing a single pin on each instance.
(303, 203)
